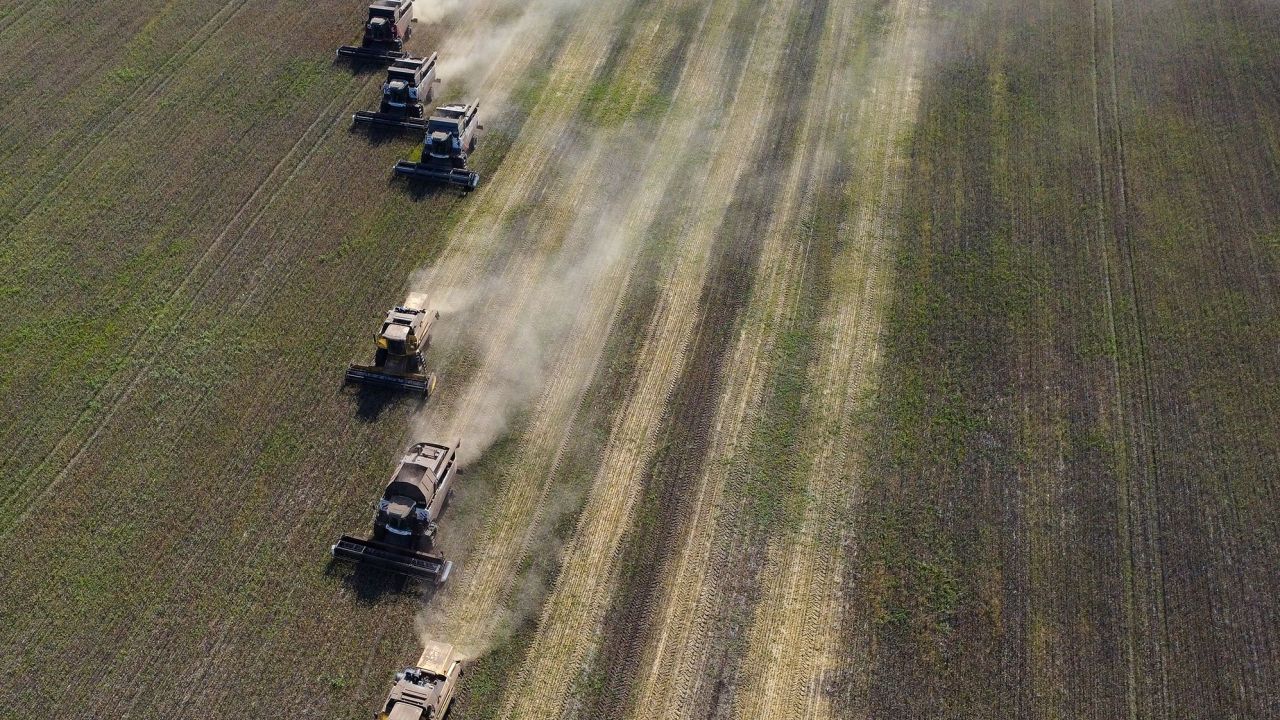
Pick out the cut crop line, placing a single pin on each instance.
(792, 627)
(577, 602)
(547, 127)
(687, 599)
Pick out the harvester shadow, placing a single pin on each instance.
(370, 585)
(419, 191)
(371, 402)
(360, 68)
(377, 135)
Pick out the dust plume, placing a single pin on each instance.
(541, 311)
(517, 322)
(519, 293)
(436, 10)
(470, 60)
(528, 585)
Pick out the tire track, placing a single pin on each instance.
(97, 34)
(1139, 521)
(234, 624)
(15, 15)
(62, 181)
(144, 365)
(801, 602)
(132, 358)
(578, 600)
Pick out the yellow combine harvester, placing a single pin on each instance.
(397, 361)
(425, 691)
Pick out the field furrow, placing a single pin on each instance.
(680, 624)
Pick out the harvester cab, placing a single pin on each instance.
(450, 139)
(408, 85)
(424, 692)
(404, 521)
(397, 361)
(385, 32)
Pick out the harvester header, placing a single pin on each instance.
(385, 32)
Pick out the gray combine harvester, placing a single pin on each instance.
(385, 32)
(450, 138)
(408, 85)
(397, 362)
(404, 524)
(424, 692)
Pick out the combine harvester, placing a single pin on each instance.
(424, 692)
(408, 86)
(404, 524)
(450, 138)
(397, 362)
(385, 33)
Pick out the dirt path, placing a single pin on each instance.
(795, 622)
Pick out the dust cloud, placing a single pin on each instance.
(541, 311)
(471, 59)
(436, 10)
(512, 315)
